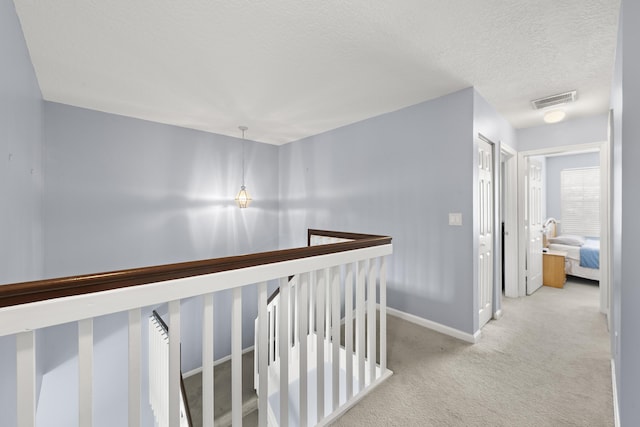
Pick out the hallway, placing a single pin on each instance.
(546, 362)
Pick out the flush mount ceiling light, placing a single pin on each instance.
(554, 116)
(243, 199)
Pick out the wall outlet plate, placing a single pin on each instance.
(455, 218)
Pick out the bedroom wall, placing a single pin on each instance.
(626, 211)
(112, 184)
(21, 145)
(583, 130)
(398, 174)
(555, 165)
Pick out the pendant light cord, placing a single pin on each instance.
(243, 128)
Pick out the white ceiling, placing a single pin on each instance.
(292, 68)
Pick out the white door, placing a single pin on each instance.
(534, 226)
(510, 218)
(486, 219)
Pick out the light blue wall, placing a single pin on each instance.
(113, 182)
(397, 174)
(570, 132)
(626, 211)
(21, 144)
(554, 167)
(123, 193)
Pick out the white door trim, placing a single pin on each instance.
(510, 190)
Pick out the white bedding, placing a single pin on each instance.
(572, 262)
(572, 268)
(573, 252)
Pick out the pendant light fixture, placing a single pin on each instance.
(243, 199)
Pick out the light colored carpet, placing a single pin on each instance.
(545, 363)
(222, 394)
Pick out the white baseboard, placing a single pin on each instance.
(429, 324)
(215, 363)
(614, 387)
(497, 315)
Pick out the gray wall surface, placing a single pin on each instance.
(626, 211)
(21, 144)
(554, 167)
(123, 193)
(397, 174)
(113, 182)
(570, 132)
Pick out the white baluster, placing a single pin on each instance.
(277, 306)
(294, 302)
(303, 335)
(284, 351)
(174, 363)
(272, 334)
(320, 294)
(85, 372)
(371, 311)
(207, 361)
(312, 302)
(263, 355)
(26, 376)
(383, 315)
(348, 329)
(360, 327)
(327, 302)
(335, 336)
(135, 374)
(236, 357)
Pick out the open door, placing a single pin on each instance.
(486, 222)
(534, 225)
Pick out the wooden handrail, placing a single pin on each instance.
(40, 290)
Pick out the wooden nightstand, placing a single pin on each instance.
(553, 273)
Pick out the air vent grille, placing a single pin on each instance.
(550, 101)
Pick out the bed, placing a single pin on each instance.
(583, 254)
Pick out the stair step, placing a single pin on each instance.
(222, 394)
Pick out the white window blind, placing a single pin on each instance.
(580, 201)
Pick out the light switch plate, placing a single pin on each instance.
(455, 218)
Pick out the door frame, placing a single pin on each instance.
(495, 312)
(605, 210)
(509, 195)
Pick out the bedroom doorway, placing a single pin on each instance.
(601, 151)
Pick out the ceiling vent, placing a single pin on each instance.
(550, 101)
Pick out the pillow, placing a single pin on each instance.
(566, 239)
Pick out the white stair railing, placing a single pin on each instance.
(27, 307)
(335, 376)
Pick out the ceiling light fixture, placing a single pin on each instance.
(554, 116)
(243, 199)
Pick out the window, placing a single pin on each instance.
(580, 201)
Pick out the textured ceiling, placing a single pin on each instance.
(293, 68)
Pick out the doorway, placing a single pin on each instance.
(525, 255)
